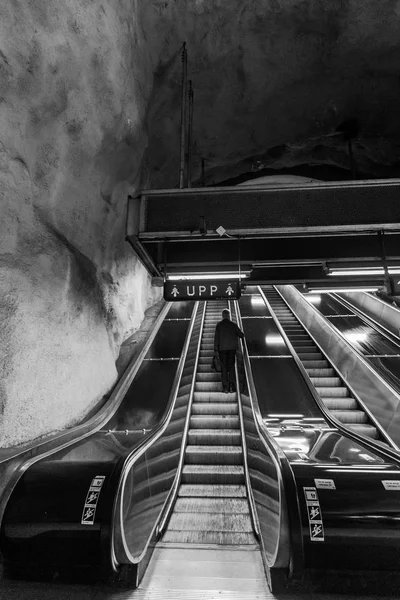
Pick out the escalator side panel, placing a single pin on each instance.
(43, 523)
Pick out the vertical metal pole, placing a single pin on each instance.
(352, 164)
(240, 270)
(183, 117)
(190, 134)
(165, 260)
(388, 281)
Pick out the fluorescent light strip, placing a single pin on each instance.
(232, 276)
(349, 289)
(371, 271)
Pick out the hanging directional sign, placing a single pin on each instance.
(176, 291)
(395, 286)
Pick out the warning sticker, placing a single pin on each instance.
(311, 493)
(92, 497)
(391, 484)
(314, 514)
(325, 484)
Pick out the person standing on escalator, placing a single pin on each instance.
(225, 344)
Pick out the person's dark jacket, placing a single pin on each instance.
(226, 335)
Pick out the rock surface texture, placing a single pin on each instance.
(75, 81)
(90, 107)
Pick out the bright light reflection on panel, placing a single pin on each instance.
(356, 336)
(315, 299)
(257, 301)
(232, 276)
(274, 340)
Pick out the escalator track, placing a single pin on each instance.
(333, 392)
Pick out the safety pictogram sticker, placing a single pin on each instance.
(92, 497)
(314, 514)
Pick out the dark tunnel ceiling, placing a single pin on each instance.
(273, 84)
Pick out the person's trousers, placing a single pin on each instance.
(227, 358)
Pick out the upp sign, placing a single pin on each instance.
(176, 291)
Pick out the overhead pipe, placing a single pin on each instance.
(183, 117)
(190, 135)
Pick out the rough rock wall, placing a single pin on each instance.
(75, 79)
(273, 78)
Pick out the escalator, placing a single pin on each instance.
(336, 396)
(212, 505)
(212, 497)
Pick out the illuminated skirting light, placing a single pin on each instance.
(356, 336)
(257, 301)
(285, 416)
(347, 289)
(231, 276)
(274, 340)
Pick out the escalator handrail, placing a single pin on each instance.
(253, 510)
(170, 501)
(330, 419)
(282, 464)
(119, 477)
(361, 358)
(382, 301)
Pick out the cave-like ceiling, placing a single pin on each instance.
(279, 87)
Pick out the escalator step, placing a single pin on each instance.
(332, 392)
(350, 416)
(220, 538)
(205, 367)
(212, 505)
(211, 376)
(219, 396)
(321, 372)
(326, 381)
(212, 491)
(310, 349)
(214, 422)
(215, 408)
(310, 356)
(315, 364)
(214, 455)
(208, 386)
(219, 474)
(340, 403)
(214, 436)
(367, 430)
(201, 521)
(302, 343)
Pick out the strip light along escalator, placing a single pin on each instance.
(212, 505)
(334, 394)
